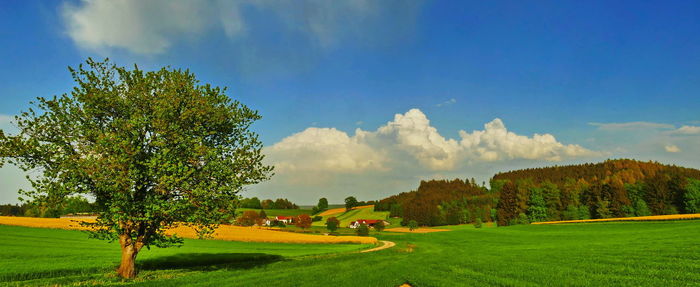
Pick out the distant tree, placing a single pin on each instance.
(267, 204)
(571, 213)
(350, 202)
(478, 223)
(691, 197)
(317, 218)
(332, 224)
(412, 225)
(362, 230)
(252, 202)
(263, 214)
(603, 209)
(322, 204)
(248, 218)
(379, 226)
(303, 221)
(153, 148)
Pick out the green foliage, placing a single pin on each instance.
(317, 218)
(350, 202)
(153, 148)
(537, 208)
(478, 223)
(412, 225)
(263, 214)
(362, 230)
(332, 224)
(322, 204)
(691, 197)
(252, 202)
(602, 209)
(379, 226)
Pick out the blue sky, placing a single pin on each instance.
(603, 79)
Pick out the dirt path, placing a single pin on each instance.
(385, 245)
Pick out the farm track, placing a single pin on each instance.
(385, 245)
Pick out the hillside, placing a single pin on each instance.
(441, 202)
(614, 188)
(360, 212)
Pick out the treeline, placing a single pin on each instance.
(69, 205)
(441, 202)
(614, 188)
(256, 203)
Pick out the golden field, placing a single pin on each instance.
(224, 232)
(341, 210)
(639, 218)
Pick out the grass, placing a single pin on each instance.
(662, 253)
(38, 256)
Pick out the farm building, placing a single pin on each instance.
(369, 222)
(285, 219)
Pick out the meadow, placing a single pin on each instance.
(652, 253)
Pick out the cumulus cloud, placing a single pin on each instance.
(410, 140)
(325, 149)
(672, 148)
(151, 27)
(630, 126)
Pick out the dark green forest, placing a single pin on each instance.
(614, 188)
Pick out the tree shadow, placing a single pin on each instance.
(209, 261)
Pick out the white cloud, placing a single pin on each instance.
(687, 130)
(142, 27)
(323, 149)
(672, 148)
(410, 140)
(495, 142)
(151, 27)
(631, 126)
(447, 103)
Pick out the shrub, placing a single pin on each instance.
(317, 218)
(248, 218)
(412, 225)
(362, 230)
(477, 224)
(379, 226)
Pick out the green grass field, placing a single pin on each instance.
(352, 215)
(599, 254)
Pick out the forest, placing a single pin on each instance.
(441, 202)
(614, 188)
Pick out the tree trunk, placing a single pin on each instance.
(127, 267)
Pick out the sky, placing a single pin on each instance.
(367, 98)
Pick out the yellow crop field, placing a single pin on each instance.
(224, 232)
(341, 210)
(417, 230)
(639, 218)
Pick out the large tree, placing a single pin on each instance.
(154, 149)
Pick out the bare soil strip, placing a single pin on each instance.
(385, 245)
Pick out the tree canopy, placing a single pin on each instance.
(153, 148)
